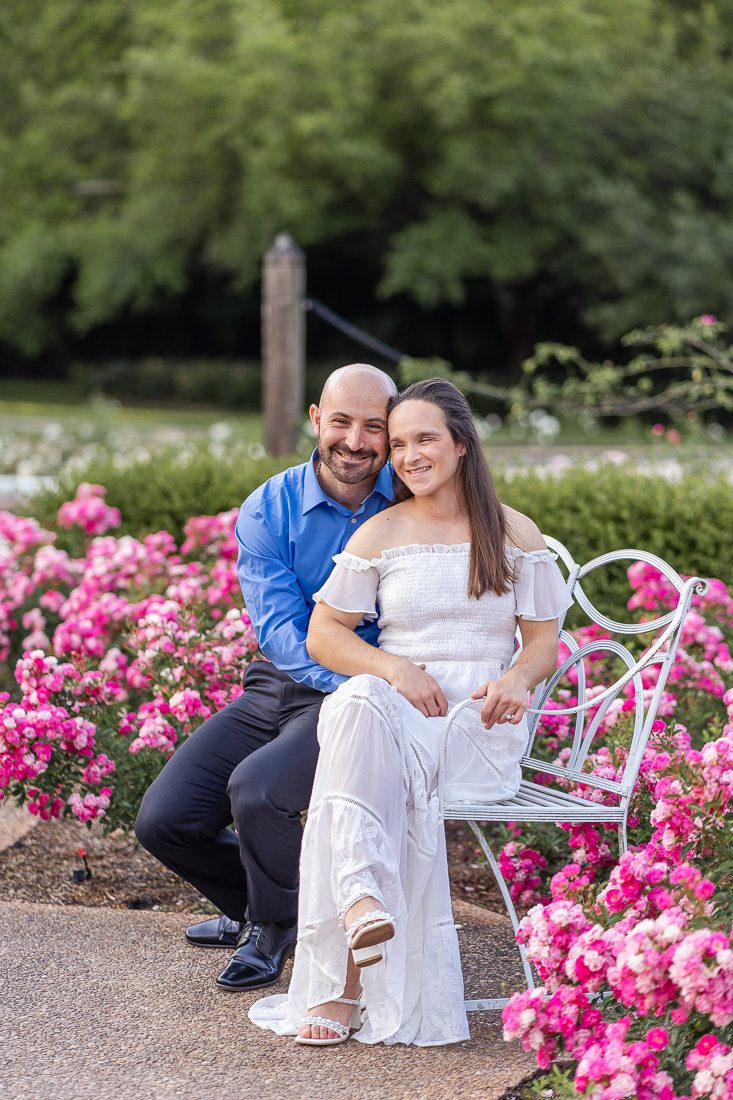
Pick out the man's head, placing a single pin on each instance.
(350, 422)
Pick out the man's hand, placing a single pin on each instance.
(509, 695)
(418, 687)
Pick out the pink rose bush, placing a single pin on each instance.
(635, 955)
(119, 653)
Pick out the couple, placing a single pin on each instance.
(440, 579)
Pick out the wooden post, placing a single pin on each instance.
(283, 344)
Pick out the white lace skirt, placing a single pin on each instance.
(373, 829)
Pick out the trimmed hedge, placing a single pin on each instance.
(689, 523)
(163, 492)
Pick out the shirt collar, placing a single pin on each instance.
(314, 495)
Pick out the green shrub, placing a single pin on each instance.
(687, 523)
(221, 382)
(164, 491)
(208, 381)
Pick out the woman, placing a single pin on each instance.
(451, 570)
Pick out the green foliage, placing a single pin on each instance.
(171, 381)
(163, 492)
(200, 381)
(558, 1084)
(676, 371)
(525, 153)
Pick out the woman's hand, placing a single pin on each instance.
(506, 700)
(418, 687)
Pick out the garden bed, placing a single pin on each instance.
(38, 868)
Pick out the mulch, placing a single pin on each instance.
(39, 868)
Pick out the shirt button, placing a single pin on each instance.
(353, 521)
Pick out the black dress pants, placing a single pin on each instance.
(253, 764)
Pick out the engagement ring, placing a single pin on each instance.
(508, 717)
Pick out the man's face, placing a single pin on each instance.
(351, 427)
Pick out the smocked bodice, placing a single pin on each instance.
(420, 595)
(426, 614)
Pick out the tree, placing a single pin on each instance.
(572, 156)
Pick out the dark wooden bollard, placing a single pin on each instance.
(283, 344)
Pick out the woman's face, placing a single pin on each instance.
(423, 452)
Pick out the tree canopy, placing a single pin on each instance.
(579, 152)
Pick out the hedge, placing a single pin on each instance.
(689, 522)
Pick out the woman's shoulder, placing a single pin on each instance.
(377, 533)
(522, 531)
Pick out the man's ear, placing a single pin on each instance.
(315, 414)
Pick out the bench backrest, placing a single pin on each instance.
(594, 701)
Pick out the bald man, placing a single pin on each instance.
(253, 763)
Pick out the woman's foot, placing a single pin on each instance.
(367, 927)
(334, 1010)
(360, 908)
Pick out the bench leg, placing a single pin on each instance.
(500, 1002)
(622, 840)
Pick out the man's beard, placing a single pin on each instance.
(345, 472)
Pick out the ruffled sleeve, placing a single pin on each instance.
(351, 587)
(539, 587)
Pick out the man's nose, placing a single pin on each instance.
(353, 439)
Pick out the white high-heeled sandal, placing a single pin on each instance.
(366, 935)
(343, 1031)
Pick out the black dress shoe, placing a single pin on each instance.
(217, 932)
(259, 960)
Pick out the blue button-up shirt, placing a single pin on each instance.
(288, 531)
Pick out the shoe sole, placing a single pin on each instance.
(212, 946)
(373, 935)
(247, 988)
(321, 1042)
(364, 950)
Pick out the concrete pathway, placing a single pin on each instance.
(105, 1004)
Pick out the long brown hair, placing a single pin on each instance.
(489, 570)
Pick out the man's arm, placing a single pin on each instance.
(331, 638)
(276, 605)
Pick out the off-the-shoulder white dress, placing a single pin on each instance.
(373, 826)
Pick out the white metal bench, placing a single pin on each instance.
(537, 802)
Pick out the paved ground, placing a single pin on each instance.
(106, 1004)
(114, 1005)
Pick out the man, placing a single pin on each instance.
(254, 762)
